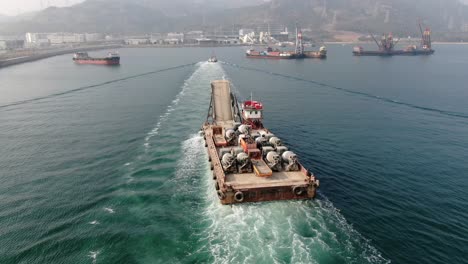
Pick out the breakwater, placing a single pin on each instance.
(51, 53)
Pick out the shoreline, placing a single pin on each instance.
(371, 42)
(58, 52)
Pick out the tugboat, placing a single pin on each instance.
(387, 46)
(250, 163)
(112, 58)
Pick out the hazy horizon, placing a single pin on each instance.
(18, 7)
(24, 6)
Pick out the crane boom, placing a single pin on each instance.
(376, 42)
(420, 28)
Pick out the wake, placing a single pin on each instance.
(273, 232)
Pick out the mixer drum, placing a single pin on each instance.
(228, 161)
(289, 155)
(290, 160)
(242, 157)
(273, 161)
(245, 129)
(275, 141)
(273, 157)
(230, 133)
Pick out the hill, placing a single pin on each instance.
(146, 16)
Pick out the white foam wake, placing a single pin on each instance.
(93, 255)
(164, 117)
(109, 210)
(275, 232)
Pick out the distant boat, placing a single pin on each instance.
(112, 58)
(213, 59)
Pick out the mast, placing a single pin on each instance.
(420, 29)
(425, 37)
(299, 45)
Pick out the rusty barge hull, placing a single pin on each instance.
(314, 55)
(393, 53)
(260, 183)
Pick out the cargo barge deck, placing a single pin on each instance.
(248, 162)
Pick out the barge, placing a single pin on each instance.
(248, 162)
(83, 58)
(269, 53)
(387, 46)
(320, 54)
(298, 53)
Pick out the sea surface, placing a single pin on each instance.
(105, 164)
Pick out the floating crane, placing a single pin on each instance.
(387, 46)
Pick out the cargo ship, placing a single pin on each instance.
(269, 54)
(112, 58)
(248, 162)
(298, 53)
(387, 46)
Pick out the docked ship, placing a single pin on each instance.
(387, 46)
(112, 58)
(298, 53)
(250, 163)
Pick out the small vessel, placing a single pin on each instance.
(213, 59)
(112, 58)
(250, 163)
(387, 46)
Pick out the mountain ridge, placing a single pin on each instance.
(146, 16)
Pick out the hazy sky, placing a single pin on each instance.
(14, 7)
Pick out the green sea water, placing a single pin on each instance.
(105, 164)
